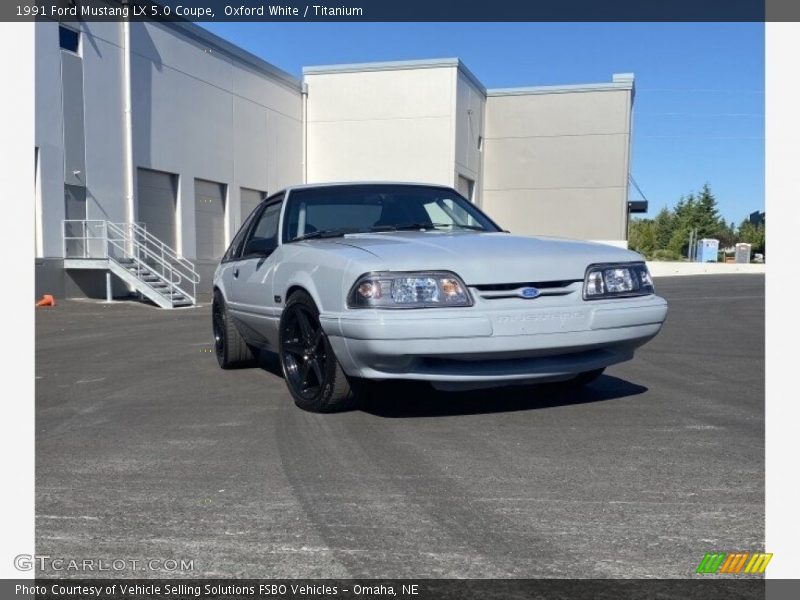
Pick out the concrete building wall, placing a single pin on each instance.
(389, 124)
(201, 109)
(468, 118)
(556, 160)
(202, 115)
(98, 64)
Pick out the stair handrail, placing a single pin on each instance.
(140, 263)
(168, 256)
(174, 278)
(169, 274)
(191, 274)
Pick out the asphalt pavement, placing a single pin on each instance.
(145, 449)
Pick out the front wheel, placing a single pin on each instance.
(313, 375)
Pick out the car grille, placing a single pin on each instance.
(496, 291)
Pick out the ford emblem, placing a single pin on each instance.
(529, 293)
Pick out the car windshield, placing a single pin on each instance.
(339, 210)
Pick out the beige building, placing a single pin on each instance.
(551, 160)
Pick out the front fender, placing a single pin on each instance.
(326, 273)
(219, 280)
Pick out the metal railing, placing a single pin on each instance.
(84, 238)
(132, 243)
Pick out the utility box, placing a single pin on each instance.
(743, 252)
(706, 250)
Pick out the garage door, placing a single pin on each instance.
(249, 200)
(157, 198)
(209, 198)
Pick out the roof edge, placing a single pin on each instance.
(391, 65)
(397, 65)
(620, 81)
(203, 35)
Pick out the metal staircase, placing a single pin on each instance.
(142, 261)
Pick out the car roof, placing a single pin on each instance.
(306, 186)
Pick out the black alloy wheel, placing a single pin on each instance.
(304, 355)
(218, 325)
(313, 374)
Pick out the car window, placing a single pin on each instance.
(263, 237)
(378, 207)
(235, 249)
(445, 210)
(309, 218)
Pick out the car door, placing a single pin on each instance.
(250, 290)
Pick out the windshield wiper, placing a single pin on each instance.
(331, 233)
(412, 226)
(325, 233)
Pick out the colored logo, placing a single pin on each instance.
(734, 562)
(529, 293)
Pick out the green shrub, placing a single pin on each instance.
(665, 255)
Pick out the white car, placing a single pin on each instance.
(377, 281)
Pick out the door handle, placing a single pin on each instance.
(235, 272)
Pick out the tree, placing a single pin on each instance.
(667, 235)
(755, 235)
(727, 236)
(683, 222)
(706, 217)
(641, 236)
(663, 226)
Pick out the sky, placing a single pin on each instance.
(699, 104)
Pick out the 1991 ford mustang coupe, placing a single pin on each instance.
(371, 281)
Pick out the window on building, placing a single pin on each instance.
(68, 39)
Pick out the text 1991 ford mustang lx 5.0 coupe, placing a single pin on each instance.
(373, 281)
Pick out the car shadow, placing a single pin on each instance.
(269, 361)
(403, 400)
(399, 399)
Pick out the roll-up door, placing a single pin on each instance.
(156, 202)
(209, 219)
(249, 200)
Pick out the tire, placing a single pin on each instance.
(229, 345)
(584, 378)
(312, 373)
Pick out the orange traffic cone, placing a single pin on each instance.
(47, 300)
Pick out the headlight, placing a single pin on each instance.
(617, 280)
(409, 290)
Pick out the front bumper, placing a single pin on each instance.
(492, 345)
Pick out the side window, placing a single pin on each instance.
(445, 210)
(235, 249)
(263, 237)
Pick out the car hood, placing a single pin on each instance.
(484, 258)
